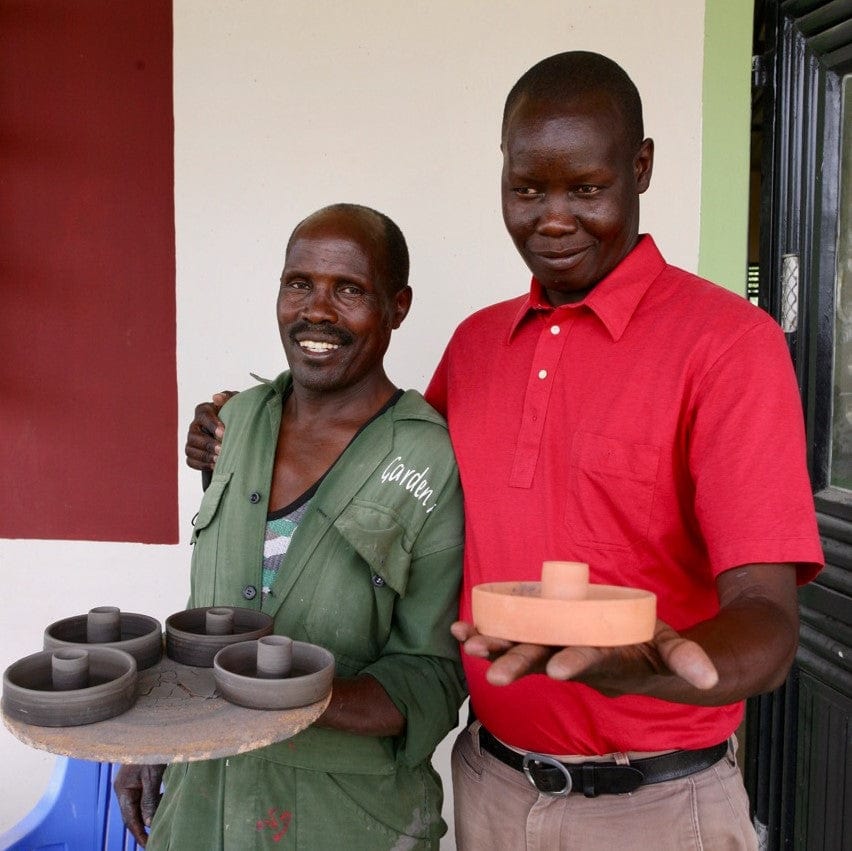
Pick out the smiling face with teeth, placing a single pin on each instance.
(336, 307)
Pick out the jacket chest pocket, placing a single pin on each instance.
(210, 504)
(205, 537)
(352, 606)
(611, 490)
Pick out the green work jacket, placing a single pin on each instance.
(372, 573)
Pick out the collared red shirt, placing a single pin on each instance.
(653, 430)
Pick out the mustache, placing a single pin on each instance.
(324, 330)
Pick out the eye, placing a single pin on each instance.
(526, 192)
(351, 290)
(586, 189)
(295, 284)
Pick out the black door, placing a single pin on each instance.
(798, 760)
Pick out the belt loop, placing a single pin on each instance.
(473, 730)
(733, 746)
(587, 773)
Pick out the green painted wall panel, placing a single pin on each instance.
(726, 120)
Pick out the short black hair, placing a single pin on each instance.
(565, 76)
(396, 250)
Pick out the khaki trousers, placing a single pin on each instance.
(497, 808)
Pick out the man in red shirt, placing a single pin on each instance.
(630, 415)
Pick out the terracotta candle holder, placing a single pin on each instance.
(69, 687)
(188, 639)
(564, 610)
(239, 680)
(106, 626)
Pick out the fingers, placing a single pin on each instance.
(610, 670)
(462, 630)
(509, 661)
(137, 789)
(571, 662)
(203, 441)
(207, 421)
(685, 658)
(518, 661)
(128, 791)
(476, 644)
(202, 450)
(152, 779)
(222, 396)
(128, 804)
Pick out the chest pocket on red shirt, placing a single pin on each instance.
(611, 490)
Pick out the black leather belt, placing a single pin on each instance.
(552, 777)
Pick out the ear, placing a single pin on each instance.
(643, 165)
(401, 305)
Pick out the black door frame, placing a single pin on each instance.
(797, 765)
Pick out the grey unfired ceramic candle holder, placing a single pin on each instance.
(309, 680)
(187, 641)
(30, 695)
(140, 636)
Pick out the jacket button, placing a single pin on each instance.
(249, 592)
(254, 498)
(378, 581)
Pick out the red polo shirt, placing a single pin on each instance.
(653, 430)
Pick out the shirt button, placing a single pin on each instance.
(554, 329)
(542, 373)
(378, 581)
(254, 498)
(249, 592)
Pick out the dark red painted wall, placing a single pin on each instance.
(88, 391)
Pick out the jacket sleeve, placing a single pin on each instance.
(419, 667)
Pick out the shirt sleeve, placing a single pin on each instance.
(419, 667)
(436, 392)
(753, 496)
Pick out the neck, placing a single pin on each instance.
(351, 406)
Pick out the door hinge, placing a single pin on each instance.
(789, 293)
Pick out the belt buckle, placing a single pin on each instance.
(552, 763)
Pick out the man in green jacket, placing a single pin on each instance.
(335, 507)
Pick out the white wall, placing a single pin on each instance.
(282, 107)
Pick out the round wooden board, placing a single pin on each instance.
(178, 717)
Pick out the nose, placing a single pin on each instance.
(319, 306)
(558, 217)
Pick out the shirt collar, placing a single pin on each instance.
(613, 300)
